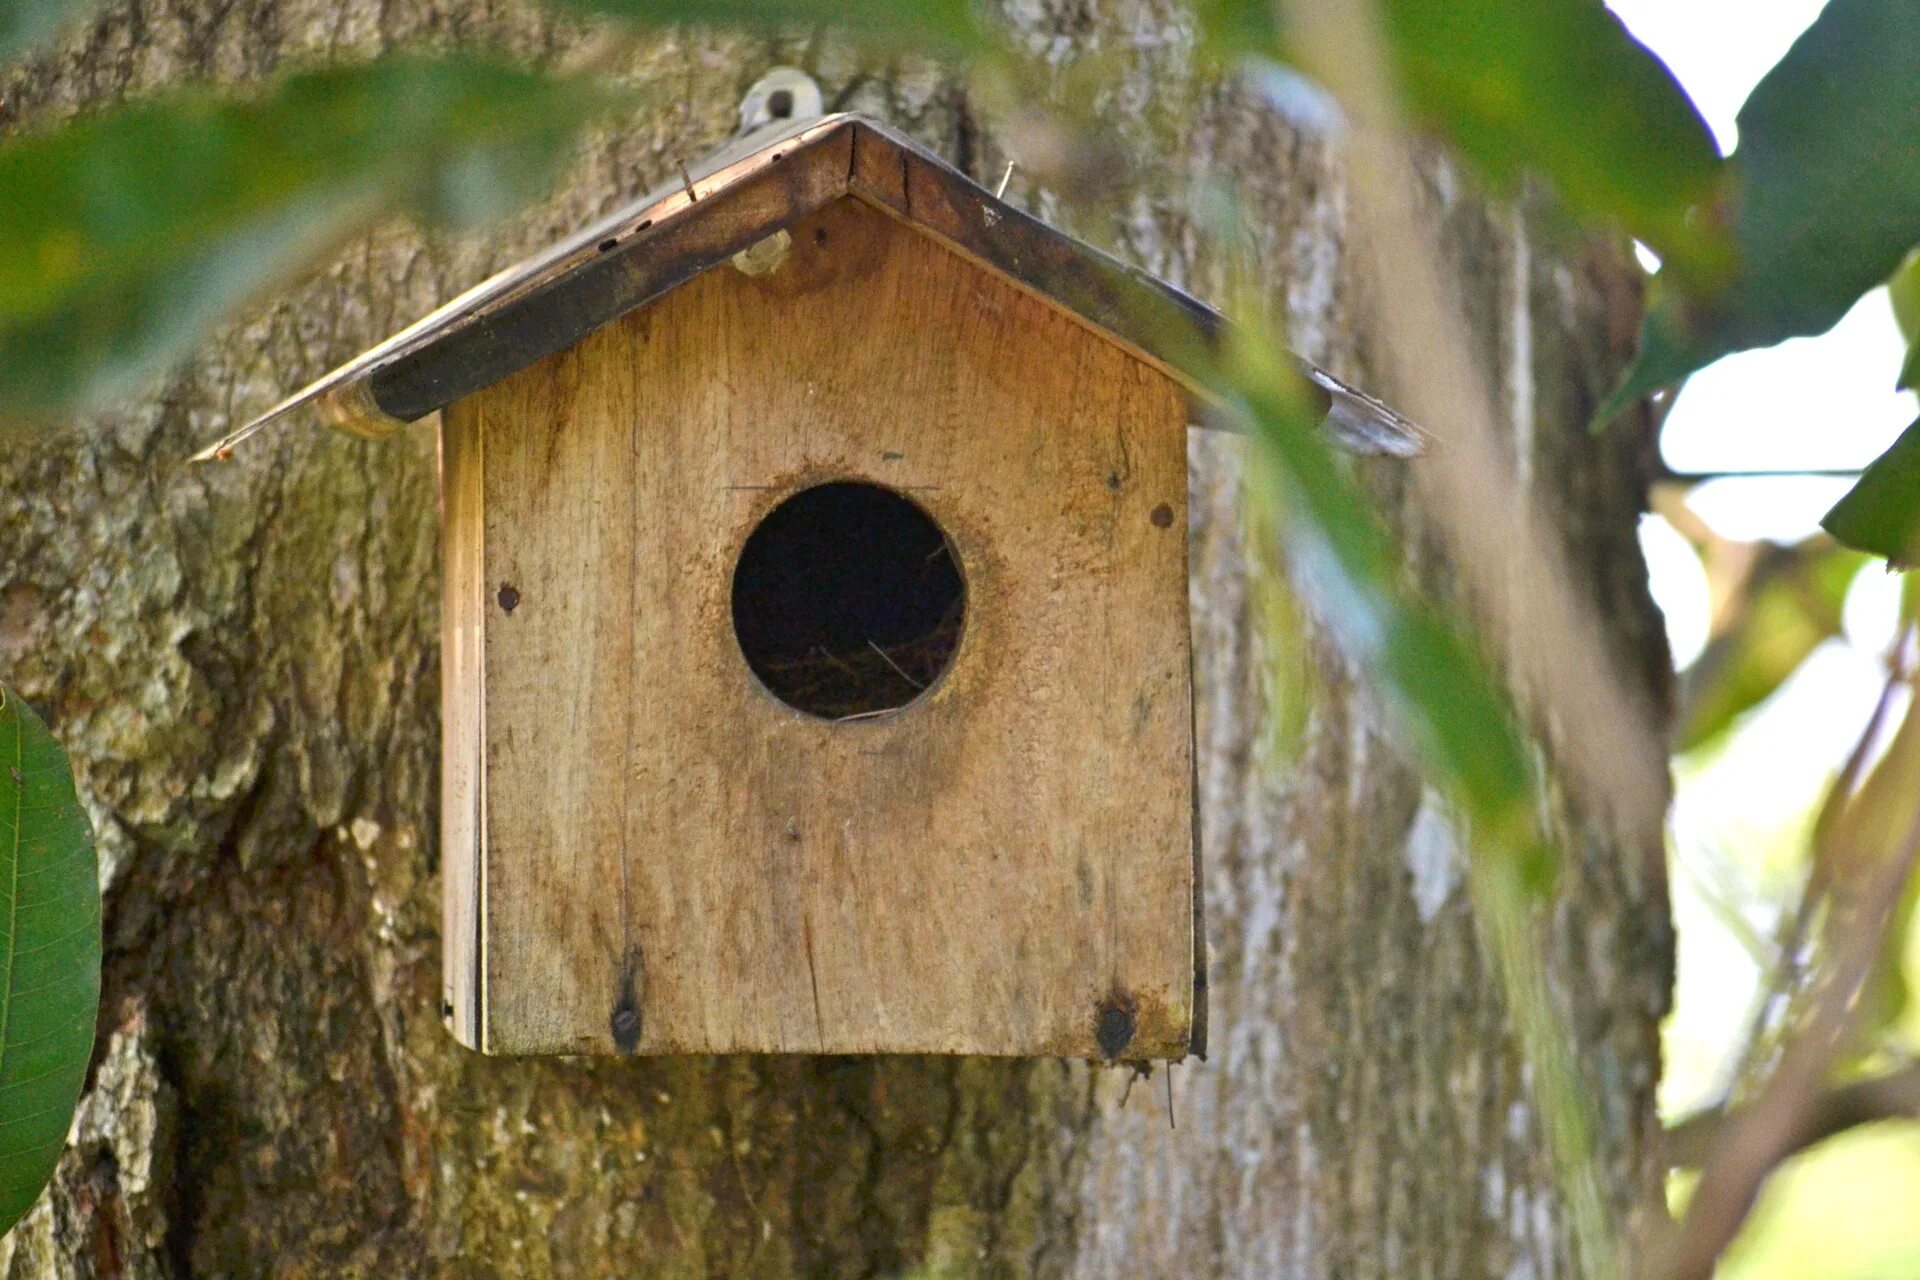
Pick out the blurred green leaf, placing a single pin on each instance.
(1457, 717)
(1559, 87)
(1825, 194)
(1554, 87)
(1286, 649)
(26, 23)
(1886, 994)
(931, 26)
(1903, 289)
(1881, 513)
(130, 234)
(49, 954)
(1234, 29)
(1790, 604)
(1871, 835)
(1454, 711)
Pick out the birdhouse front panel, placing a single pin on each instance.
(817, 672)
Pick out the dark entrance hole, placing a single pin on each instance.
(847, 600)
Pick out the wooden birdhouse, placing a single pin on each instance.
(816, 664)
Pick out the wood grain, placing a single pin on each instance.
(462, 720)
(681, 237)
(675, 861)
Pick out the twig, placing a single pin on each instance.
(834, 658)
(1134, 1071)
(888, 659)
(1789, 971)
(1893, 1096)
(1664, 474)
(1745, 1151)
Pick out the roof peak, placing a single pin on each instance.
(747, 190)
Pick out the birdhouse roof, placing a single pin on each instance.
(750, 190)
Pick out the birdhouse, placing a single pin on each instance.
(816, 661)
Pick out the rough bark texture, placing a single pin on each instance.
(242, 660)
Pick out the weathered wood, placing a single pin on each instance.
(790, 173)
(619, 273)
(757, 186)
(1157, 322)
(462, 721)
(674, 860)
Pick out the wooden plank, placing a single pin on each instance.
(601, 286)
(1159, 322)
(1156, 321)
(678, 862)
(561, 496)
(462, 721)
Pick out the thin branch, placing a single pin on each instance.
(1893, 1096)
(1787, 977)
(1745, 1151)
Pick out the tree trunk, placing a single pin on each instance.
(243, 661)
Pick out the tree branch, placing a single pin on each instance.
(1893, 1096)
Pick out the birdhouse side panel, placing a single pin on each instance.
(674, 858)
(463, 617)
(566, 513)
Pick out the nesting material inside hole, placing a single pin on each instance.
(848, 601)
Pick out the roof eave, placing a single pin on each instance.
(760, 185)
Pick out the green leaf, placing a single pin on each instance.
(1232, 29)
(928, 26)
(49, 954)
(1903, 290)
(1281, 630)
(1825, 193)
(132, 233)
(27, 23)
(1554, 87)
(1454, 711)
(1791, 604)
(1561, 88)
(1881, 513)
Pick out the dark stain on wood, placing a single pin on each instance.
(1114, 1020)
(626, 1022)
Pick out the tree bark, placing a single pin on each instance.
(243, 662)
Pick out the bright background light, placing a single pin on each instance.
(1741, 812)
